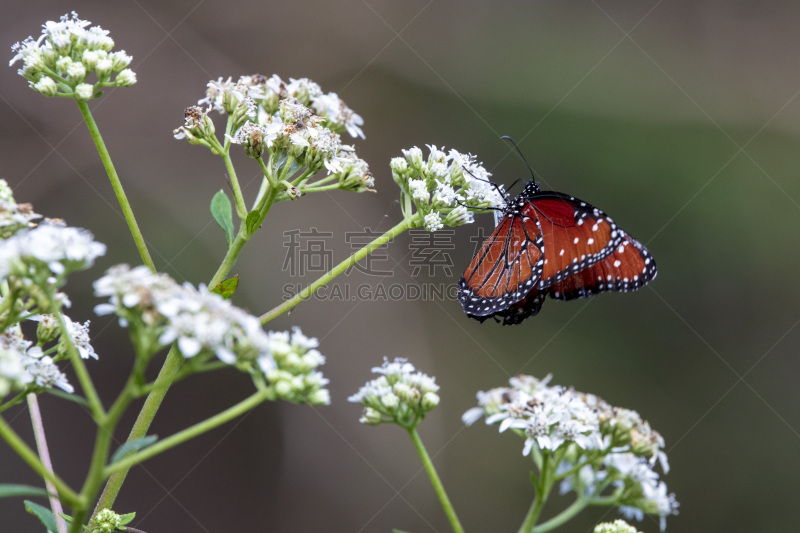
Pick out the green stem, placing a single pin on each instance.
(96, 474)
(405, 224)
(542, 487)
(435, 481)
(171, 366)
(238, 199)
(564, 516)
(182, 436)
(66, 494)
(116, 184)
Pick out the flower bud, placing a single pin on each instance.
(104, 66)
(84, 91)
(76, 72)
(126, 78)
(370, 417)
(63, 63)
(429, 401)
(90, 59)
(48, 329)
(119, 60)
(46, 86)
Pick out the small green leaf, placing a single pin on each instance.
(252, 222)
(67, 396)
(223, 214)
(12, 490)
(133, 446)
(42, 513)
(227, 287)
(125, 519)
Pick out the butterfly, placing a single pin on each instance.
(548, 243)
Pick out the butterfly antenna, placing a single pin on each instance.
(509, 139)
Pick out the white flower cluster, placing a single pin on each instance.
(13, 216)
(59, 62)
(617, 448)
(47, 253)
(617, 526)
(295, 122)
(292, 370)
(159, 312)
(77, 335)
(267, 94)
(400, 395)
(22, 363)
(447, 187)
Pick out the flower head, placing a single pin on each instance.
(60, 61)
(159, 312)
(447, 188)
(46, 254)
(614, 444)
(399, 395)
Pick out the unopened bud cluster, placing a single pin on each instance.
(617, 449)
(446, 188)
(62, 59)
(400, 395)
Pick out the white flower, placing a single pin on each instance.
(433, 222)
(400, 394)
(59, 249)
(419, 190)
(455, 181)
(665, 503)
(610, 443)
(69, 48)
(46, 374)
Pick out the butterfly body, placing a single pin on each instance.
(550, 244)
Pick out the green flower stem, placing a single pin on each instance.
(543, 485)
(315, 188)
(407, 223)
(96, 475)
(116, 184)
(435, 481)
(171, 366)
(189, 433)
(563, 517)
(65, 494)
(238, 199)
(230, 257)
(44, 455)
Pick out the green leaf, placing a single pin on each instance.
(223, 214)
(252, 222)
(227, 287)
(133, 446)
(126, 519)
(12, 490)
(67, 396)
(42, 513)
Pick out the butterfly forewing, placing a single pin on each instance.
(505, 268)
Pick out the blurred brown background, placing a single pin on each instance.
(678, 118)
